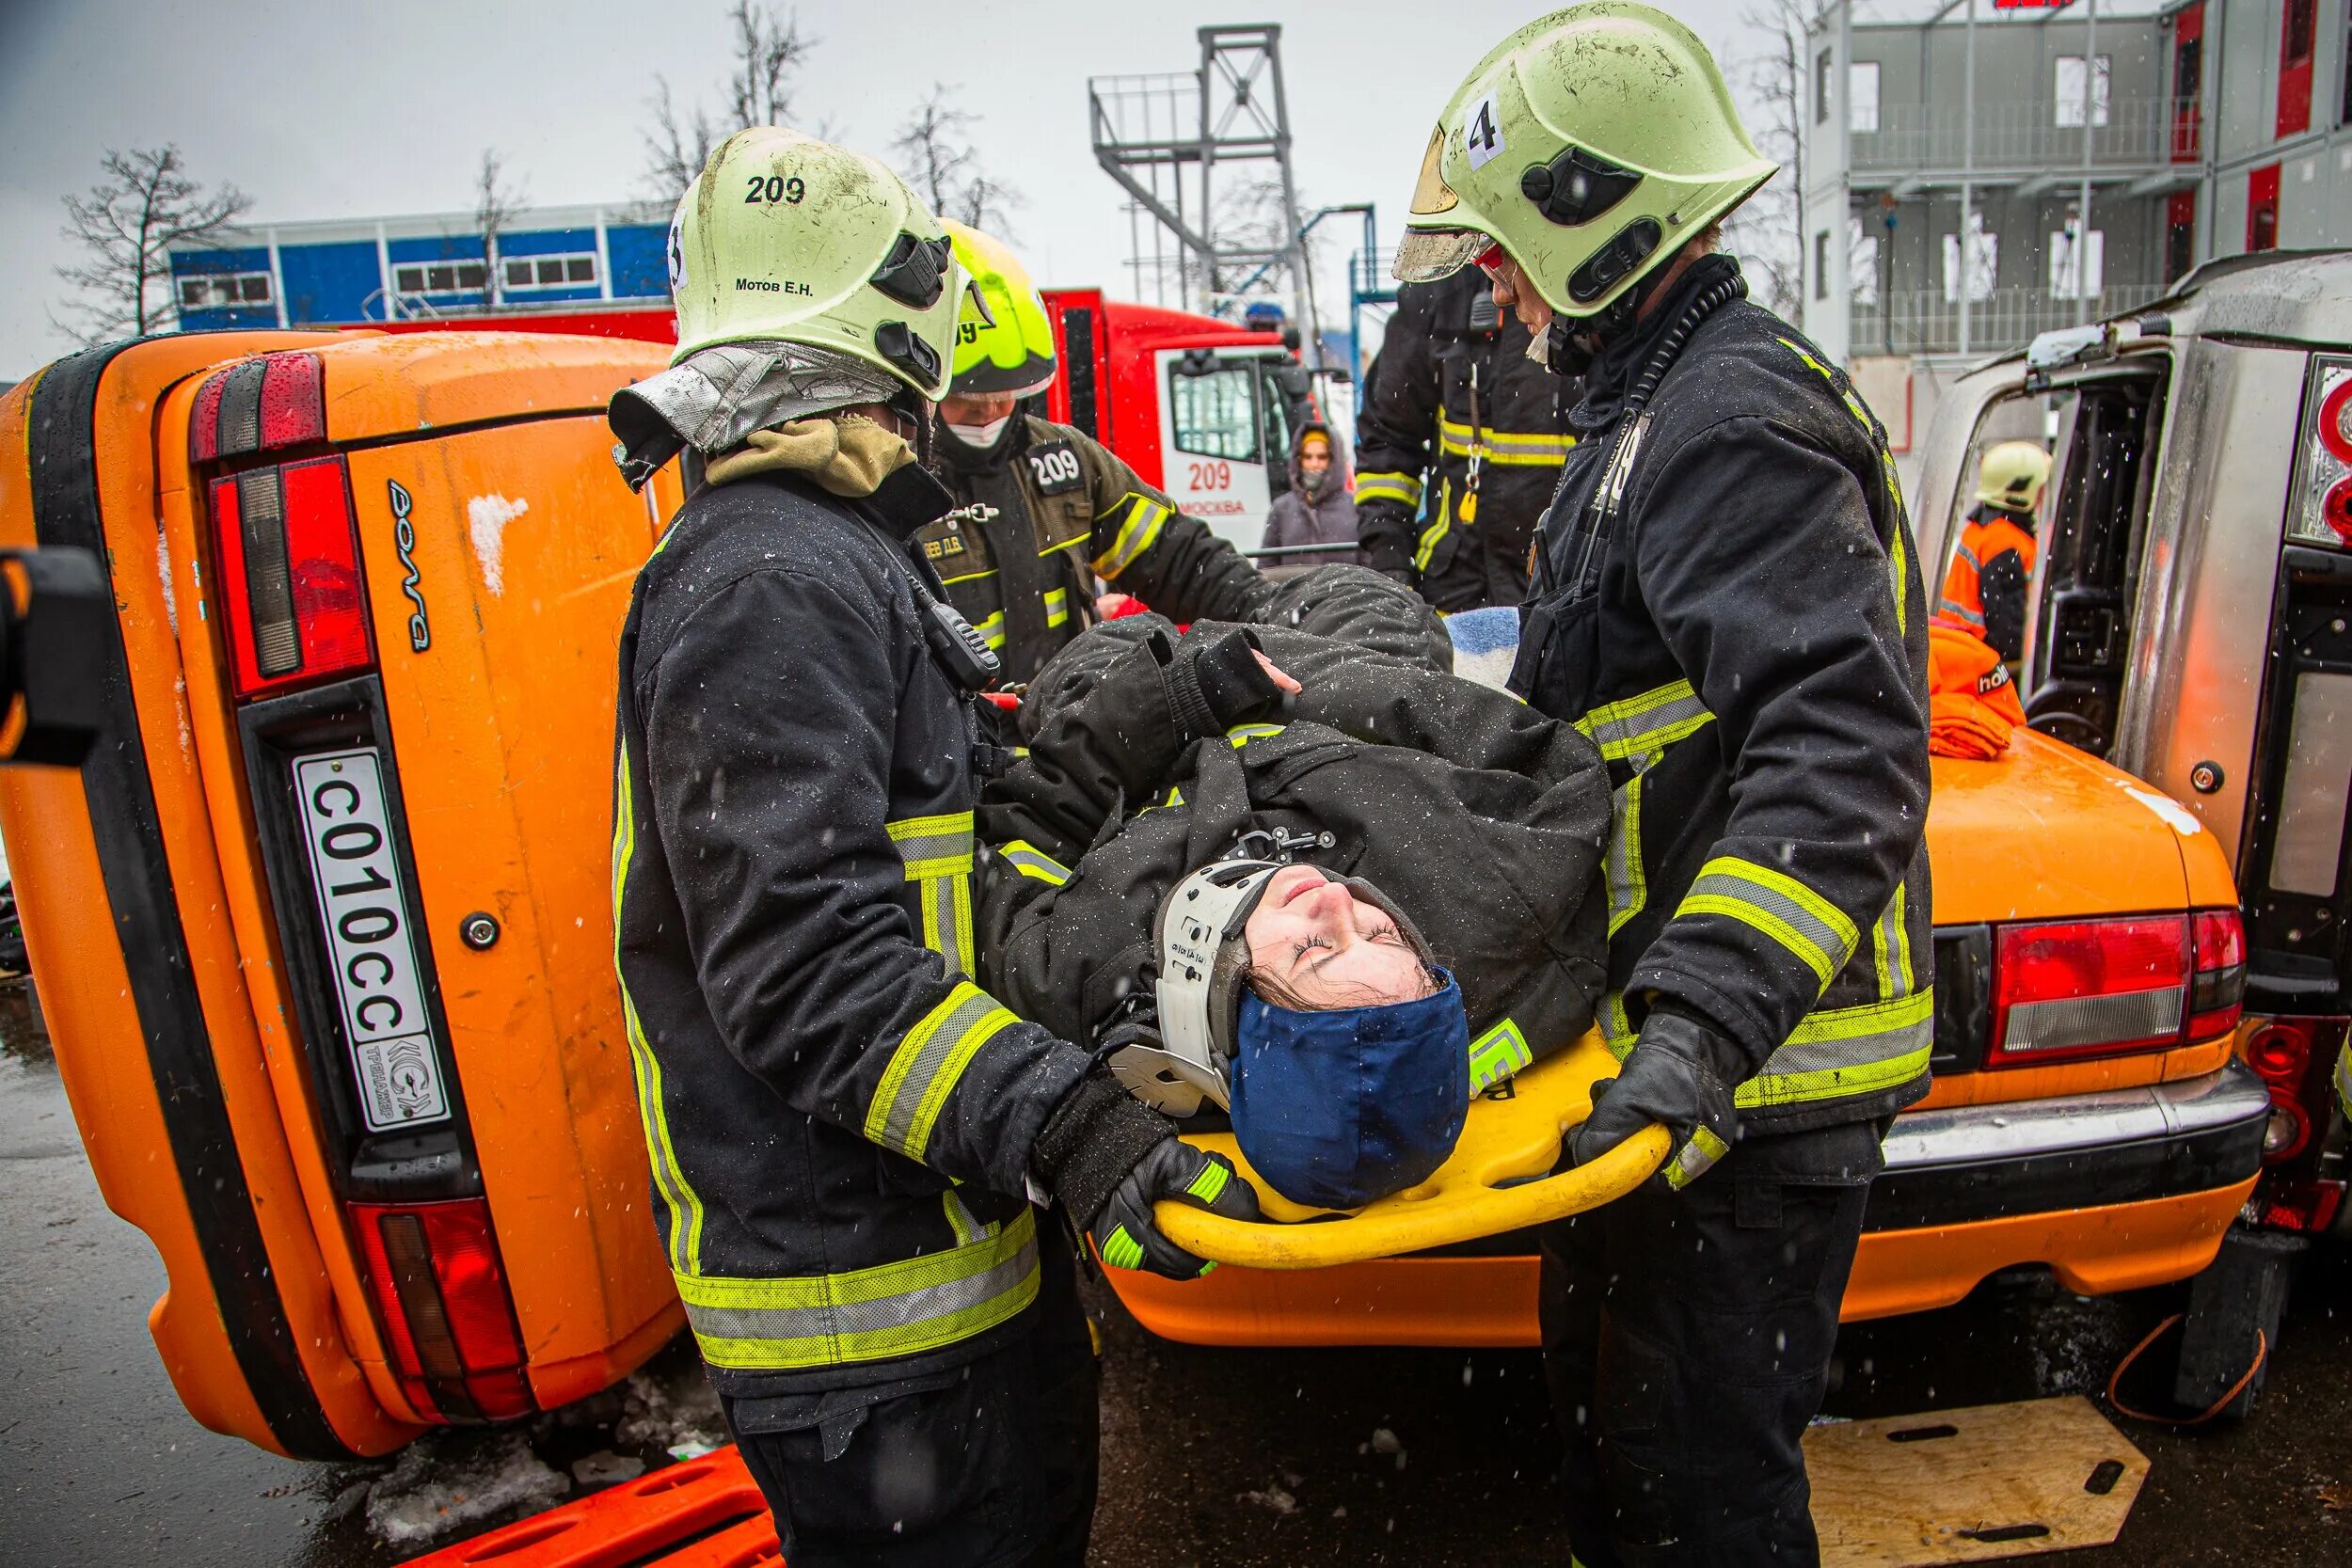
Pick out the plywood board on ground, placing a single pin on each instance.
(1974, 1486)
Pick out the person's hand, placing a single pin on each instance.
(1127, 1235)
(1675, 1075)
(1275, 672)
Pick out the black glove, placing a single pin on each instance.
(1107, 1158)
(1681, 1072)
(1125, 1232)
(1214, 679)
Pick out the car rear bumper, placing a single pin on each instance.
(2113, 1191)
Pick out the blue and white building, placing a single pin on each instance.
(439, 263)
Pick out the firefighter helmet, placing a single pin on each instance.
(1004, 342)
(1590, 145)
(785, 237)
(2011, 475)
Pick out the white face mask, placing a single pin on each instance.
(980, 437)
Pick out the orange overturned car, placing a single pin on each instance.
(323, 935)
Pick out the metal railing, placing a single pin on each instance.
(1922, 320)
(2026, 135)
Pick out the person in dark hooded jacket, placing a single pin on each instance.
(1318, 507)
(1480, 823)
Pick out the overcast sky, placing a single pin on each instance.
(327, 109)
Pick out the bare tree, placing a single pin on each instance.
(128, 225)
(494, 204)
(769, 53)
(936, 154)
(1768, 230)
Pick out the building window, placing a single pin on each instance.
(1821, 80)
(226, 291)
(2067, 92)
(1984, 261)
(1861, 262)
(440, 278)
(2296, 32)
(1862, 97)
(549, 272)
(2180, 235)
(1821, 266)
(2261, 208)
(2077, 271)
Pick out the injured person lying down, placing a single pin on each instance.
(1334, 915)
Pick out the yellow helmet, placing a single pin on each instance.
(1590, 145)
(1004, 342)
(2011, 476)
(783, 237)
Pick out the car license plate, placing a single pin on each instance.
(355, 877)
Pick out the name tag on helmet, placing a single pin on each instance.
(1054, 468)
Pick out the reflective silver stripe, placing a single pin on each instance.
(1497, 1054)
(1960, 611)
(925, 1065)
(1891, 947)
(933, 846)
(1847, 1051)
(1628, 887)
(1402, 488)
(1778, 906)
(1057, 606)
(894, 1309)
(1648, 722)
(1032, 862)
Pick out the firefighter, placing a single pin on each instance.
(1042, 509)
(843, 1128)
(1458, 447)
(1726, 599)
(1984, 592)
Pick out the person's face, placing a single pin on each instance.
(1313, 458)
(975, 411)
(1327, 947)
(1512, 290)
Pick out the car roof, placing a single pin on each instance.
(2301, 297)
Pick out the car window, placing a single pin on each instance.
(2093, 531)
(1214, 412)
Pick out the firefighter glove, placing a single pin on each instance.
(1128, 1237)
(1681, 1072)
(1107, 1158)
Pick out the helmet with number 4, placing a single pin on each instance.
(1004, 342)
(1590, 145)
(785, 237)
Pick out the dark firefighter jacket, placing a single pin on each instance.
(839, 1119)
(1484, 820)
(1748, 646)
(1040, 517)
(1455, 410)
(1985, 589)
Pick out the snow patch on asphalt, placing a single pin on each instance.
(429, 1492)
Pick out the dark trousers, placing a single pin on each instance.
(1687, 1340)
(989, 1465)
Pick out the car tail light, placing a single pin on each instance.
(2217, 987)
(449, 1321)
(265, 405)
(2091, 987)
(2320, 509)
(289, 577)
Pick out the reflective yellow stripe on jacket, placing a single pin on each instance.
(1508, 448)
(1404, 489)
(1776, 904)
(887, 1311)
(1140, 519)
(1830, 1053)
(938, 853)
(1497, 1055)
(684, 1241)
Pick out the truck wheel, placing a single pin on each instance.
(2235, 1308)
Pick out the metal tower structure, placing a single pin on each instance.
(1193, 149)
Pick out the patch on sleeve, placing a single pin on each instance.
(1054, 468)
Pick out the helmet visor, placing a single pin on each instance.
(1426, 255)
(1431, 193)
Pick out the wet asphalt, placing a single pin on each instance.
(1210, 1457)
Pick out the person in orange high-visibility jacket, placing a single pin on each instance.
(1985, 586)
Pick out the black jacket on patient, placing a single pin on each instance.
(1483, 820)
